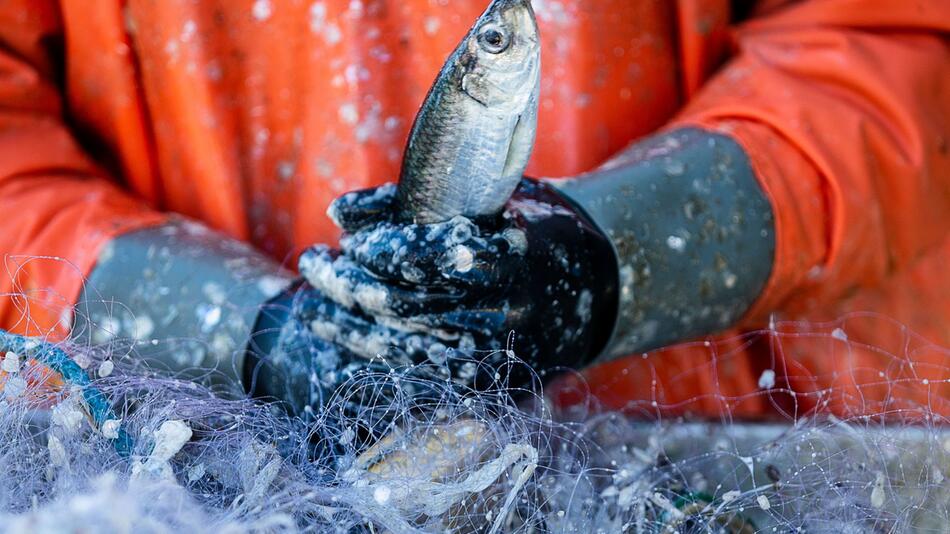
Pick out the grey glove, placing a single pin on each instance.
(187, 297)
(693, 232)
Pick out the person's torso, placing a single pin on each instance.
(252, 115)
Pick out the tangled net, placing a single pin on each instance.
(115, 447)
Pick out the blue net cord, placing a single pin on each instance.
(57, 360)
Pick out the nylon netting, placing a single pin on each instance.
(852, 447)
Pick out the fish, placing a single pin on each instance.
(473, 136)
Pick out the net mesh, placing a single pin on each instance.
(856, 443)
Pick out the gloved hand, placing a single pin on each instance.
(670, 240)
(539, 280)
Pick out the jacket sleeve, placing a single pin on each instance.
(58, 208)
(844, 109)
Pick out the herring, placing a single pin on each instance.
(472, 138)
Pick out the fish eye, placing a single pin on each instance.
(493, 39)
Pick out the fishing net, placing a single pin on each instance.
(106, 444)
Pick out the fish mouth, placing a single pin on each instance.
(527, 22)
(508, 4)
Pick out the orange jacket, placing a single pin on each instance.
(251, 115)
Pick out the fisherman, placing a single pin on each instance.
(718, 166)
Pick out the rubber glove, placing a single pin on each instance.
(539, 280)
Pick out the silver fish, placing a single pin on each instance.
(472, 138)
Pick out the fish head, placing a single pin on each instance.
(499, 61)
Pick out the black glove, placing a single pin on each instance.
(539, 280)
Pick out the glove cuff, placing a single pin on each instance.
(186, 296)
(598, 273)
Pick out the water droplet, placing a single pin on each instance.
(676, 243)
(674, 167)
